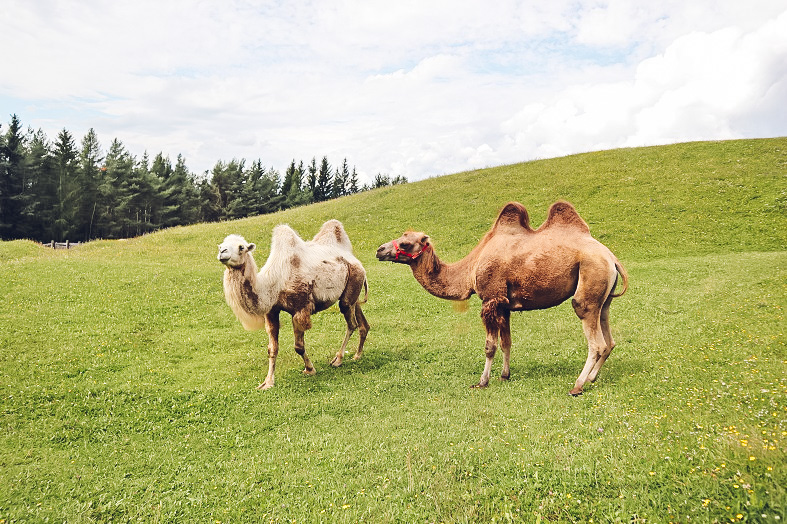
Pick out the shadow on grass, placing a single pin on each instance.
(566, 370)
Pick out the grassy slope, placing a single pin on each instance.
(127, 387)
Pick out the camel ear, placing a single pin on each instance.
(424, 240)
(251, 247)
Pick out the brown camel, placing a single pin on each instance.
(517, 268)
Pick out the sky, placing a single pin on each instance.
(409, 88)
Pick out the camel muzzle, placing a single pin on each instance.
(386, 253)
(381, 252)
(224, 256)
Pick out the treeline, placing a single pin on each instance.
(61, 191)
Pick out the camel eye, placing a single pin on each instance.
(405, 245)
(240, 248)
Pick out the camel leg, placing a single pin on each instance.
(337, 360)
(609, 342)
(505, 344)
(591, 325)
(272, 327)
(349, 318)
(495, 319)
(301, 321)
(363, 330)
(489, 349)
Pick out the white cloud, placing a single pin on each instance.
(402, 88)
(701, 86)
(704, 82)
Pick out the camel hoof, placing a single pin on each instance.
(575, 392)
(264, 386)
(336, 362)
(357, 356)
(479, 386)
(310, 372)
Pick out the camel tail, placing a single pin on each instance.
(624, 275)
(365, 292)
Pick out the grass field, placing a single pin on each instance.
(127, 387)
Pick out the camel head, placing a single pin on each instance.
(233, 251)
(405, 249)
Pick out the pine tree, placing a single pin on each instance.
(11, 180)
(65, 160)
(170, 190)
(112, 189)
(381, 180)
(39, 197)
(140, 205)
(210, 201)
(288, 182)
(3, 180)
(322, 190)
(340, 181)
(268, 190)
(89, 179)
(226, 187)
(292, 189)
(247, 201)
(353, 184)
(311, 181)
(189, 196)
(297, 195)
(154, 213)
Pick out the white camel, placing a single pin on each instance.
(299, 277)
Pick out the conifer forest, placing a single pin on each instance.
(62, 189)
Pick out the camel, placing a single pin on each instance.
(517, 268)
(300, 278)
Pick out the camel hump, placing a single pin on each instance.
(332, 233)
(513, 218)
(564, 214)
(285, 240)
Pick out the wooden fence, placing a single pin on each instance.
(62, 245)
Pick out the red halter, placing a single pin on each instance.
(400, 251)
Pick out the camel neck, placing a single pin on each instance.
(247, 272)
(449, 281)
(245, 292)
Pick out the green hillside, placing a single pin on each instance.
(127, 386)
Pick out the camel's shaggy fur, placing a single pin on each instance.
(300, 278)
(517, 268)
